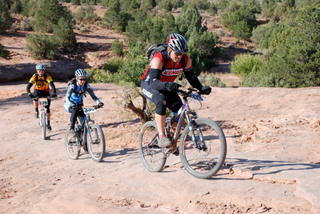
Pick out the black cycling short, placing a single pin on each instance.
(162, 99)
(76, 112)
(40, 93)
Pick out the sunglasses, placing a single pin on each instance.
(177, 54)
(82, 79)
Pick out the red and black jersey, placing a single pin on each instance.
(172, 70)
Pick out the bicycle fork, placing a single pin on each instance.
(197, 139)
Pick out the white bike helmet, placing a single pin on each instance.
(40, 67)
(177, 43)
(80, 73)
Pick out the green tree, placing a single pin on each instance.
(86, 15)
(64, 36)
(42, 46)
(203, 50)
(115, 18)
(295, 60)
(240, 18)
(48, 15)
(244, 64)
(189, 19)
(16, 6)
(5, 18)
(117, 47)
(4, 53)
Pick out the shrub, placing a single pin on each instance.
(113, 66)
(48, 14)
(64, 36)
(42, 46)
(5, 18)
(86, 15)
(117, 47)
(244, 64)
(4, 53)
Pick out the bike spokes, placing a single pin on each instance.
(152, 155)
(204, 156)
(72, 143)
(96, 142)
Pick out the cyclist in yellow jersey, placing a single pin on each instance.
(42, 83)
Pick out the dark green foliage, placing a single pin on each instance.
(42, 46)
(48, 15)
(295, 59)
(76, 2)
(113, 65)
(189, 20)
(147, 5)
(244, 64)
(86, 15)
(4, 53)
(168, 26)
(133, 66)
(268, 7)
(166, 5)
(16, 6)
(117, 47)
(239, 17)
(203, 4)
(203, 50)
(213, 9)
(5, 18)
(115, 18)
(64, 36)
(29, 7)
(138, 28)
(266, 36)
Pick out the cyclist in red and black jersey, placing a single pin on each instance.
(158, 84)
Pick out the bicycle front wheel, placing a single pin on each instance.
(43, 125)
(152, 156)
(96, 142)
(72, 143)
(207, 159)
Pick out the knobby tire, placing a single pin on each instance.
(73, 146)
(203, 163)
(152, 156)
(96, 142)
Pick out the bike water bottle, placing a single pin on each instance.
(168, 126)
(78, 128)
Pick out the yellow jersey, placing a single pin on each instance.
(41, 82)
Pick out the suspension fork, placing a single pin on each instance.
(198, 140)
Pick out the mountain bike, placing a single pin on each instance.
(43, 114)
(200, 142)
(88, 135)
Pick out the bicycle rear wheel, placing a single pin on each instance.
(72, 143)
(206, 161)
(43, 125)
(96, 142)
(152, 156)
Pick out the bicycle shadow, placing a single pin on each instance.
(255, 167)
(130, 122)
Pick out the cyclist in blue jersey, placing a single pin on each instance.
(75, 94)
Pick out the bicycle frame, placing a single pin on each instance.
(84, 126)
(43, 102)
(184, 113)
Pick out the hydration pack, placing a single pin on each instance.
(155, 48)
(74, 83)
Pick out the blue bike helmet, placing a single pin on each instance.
(80, 73)
(40, 67)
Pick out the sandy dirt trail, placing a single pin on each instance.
(272, 164)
